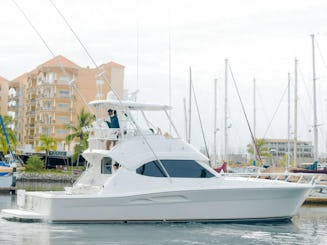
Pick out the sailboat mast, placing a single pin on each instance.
(190, 108)
(225, 117)
(254, 124)
(295, 114)
(288, 121)
(185, 120)
(315, 125)
(215, 124)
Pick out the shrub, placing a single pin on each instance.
(34, 163)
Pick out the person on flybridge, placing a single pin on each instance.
(112, 122)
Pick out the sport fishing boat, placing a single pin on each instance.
(151, 176)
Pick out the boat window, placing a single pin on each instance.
(106, 165)
(175, 169)
(151, 169)
(185, 169)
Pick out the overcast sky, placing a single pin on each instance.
(260, 39)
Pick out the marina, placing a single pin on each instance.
(92, 152)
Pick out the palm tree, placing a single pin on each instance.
(3, 144)
(84, 119)
(262, 148)
(46, 143)
(7, 120)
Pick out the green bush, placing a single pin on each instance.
(35, 164)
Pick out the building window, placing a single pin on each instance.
(48, 131)
(61, 131)
(64, 93)
(65, 79)
(49, 119)
(50, 77)
(47, 105)
(39, 81)
(62, 105)
(62, 119)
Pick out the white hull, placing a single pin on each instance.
(191, 205)
(5, 181)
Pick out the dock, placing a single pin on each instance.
(9, 189)
(315, 201)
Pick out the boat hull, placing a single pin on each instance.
(308, 171)
(175, 206)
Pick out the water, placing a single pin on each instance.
(310, 227)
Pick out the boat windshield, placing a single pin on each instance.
(175, 169)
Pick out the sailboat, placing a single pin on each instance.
(314, 168)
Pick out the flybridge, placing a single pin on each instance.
(124, 109)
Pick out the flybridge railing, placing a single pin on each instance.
(99, 135)
(318, 180)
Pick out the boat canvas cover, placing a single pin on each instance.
(128, 105)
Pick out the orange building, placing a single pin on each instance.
(54, 93)
(3, 96)
(15, 103)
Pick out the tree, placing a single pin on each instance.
(7, 120)
(84, 119)
(34, 164)
(46, 143)
(283, 162)
(262, 149)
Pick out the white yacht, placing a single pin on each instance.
(160, 178)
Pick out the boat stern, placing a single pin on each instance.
(20, 215)
(31, 207)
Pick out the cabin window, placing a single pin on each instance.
(152, 169)
(106, 165)
(186, 169)
(175, 169)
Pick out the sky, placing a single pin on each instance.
(260, 39)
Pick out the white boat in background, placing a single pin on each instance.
(160, 178)
(6, 175)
